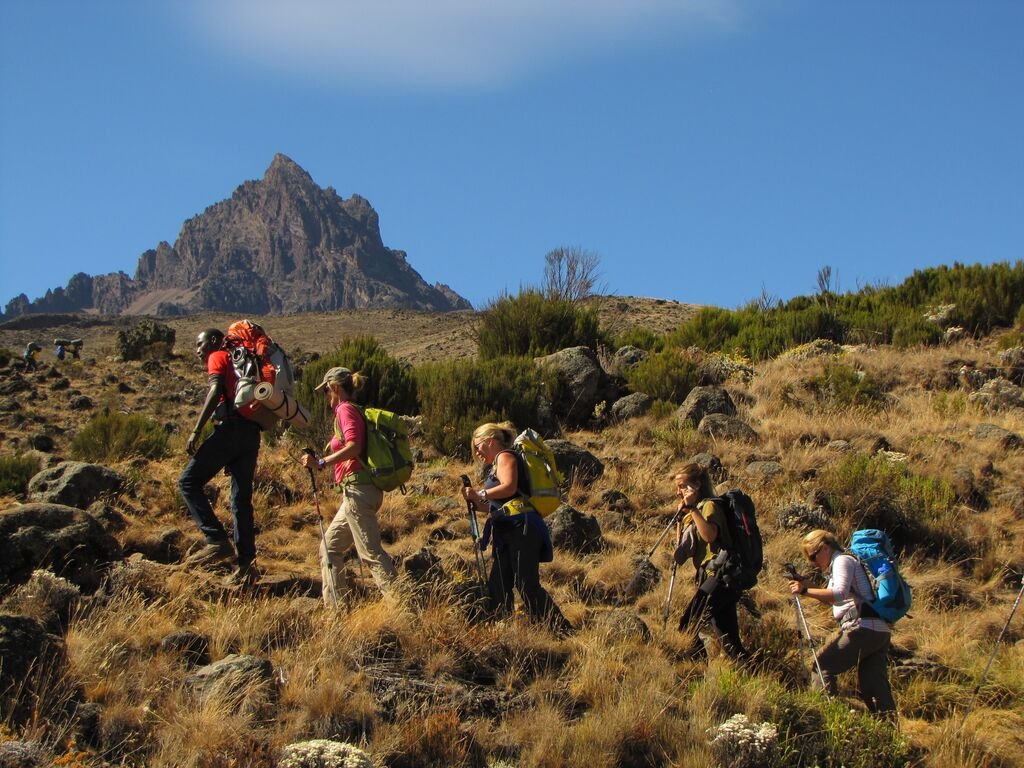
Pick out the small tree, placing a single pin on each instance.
(570, 273)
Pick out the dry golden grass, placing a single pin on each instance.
(594, 699)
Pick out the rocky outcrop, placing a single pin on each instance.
(279, 244)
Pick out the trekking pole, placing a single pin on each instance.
(323, 535)
(474, 532)
(672, 579)
(995, 648)
(791, 572)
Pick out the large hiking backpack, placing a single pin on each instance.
(540, 482)
(256, 358)
(746, 557)
(893, 595)
(387, 456)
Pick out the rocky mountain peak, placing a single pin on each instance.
(278, 244)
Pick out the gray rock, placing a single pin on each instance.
(573, 531)
(576, 383)
(990, 432)
(702, 401)
(763, 471)
(798, 517)
(61, 539)
(1012, 498)
(240, 684)
(164, 546)
(627, 357)
(74, 484)
(998, 395)
(645, 577)
(576, 464)
(631, 406)
(722, 427)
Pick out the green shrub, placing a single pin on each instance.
(15, 472)
(876, 492)
(390, 383)
(533, 324)
(117, 436)
(641, 338)
(667, 375)
(457, 396)
(840, 387)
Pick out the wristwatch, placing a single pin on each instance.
(320, 463)
(482, 495)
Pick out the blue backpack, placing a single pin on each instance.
(892, 593)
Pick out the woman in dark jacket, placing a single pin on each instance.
(521, 538)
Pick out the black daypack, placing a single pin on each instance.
(746, 556)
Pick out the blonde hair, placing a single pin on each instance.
(812, 542)
(504, 433)
(351, 385)
(696, 472)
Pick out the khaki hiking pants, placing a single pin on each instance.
(355, 524)
(868, 650)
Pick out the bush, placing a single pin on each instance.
(532, 324)
(390, 383)
(147, 340)
(668, 375)
(641, 338)
(15, 472)
(840, 387)
(117, 436)
(457, 396)
(876, 492)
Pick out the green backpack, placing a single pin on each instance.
(387, 457)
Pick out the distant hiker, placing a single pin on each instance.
(234, 446)
(521, 537)
(862, 641)
(59, 351)
(76, 349)
(707, 541)
(355, 523)
(32, 351)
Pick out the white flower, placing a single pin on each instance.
(321, 753)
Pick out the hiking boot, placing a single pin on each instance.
(244, 578)
(211, 555)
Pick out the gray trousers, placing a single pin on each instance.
(355, 524)
(868, 650)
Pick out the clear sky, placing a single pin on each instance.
(707, 151)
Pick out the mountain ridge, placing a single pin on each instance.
(279, 244)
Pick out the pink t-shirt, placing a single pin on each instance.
(353, 428)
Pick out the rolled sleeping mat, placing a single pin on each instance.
(281, 404)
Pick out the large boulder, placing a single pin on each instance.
(575, 463)
(74, 484)
(998, 395)
(631, 406)
(67, 541)
(573, 531)
(702, 401)
(576, 383)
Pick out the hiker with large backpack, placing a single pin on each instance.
(521, 540)
(864, 637)
(355, 523)
(234, 445)
(708, 541)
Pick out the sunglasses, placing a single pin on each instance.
(814, 555)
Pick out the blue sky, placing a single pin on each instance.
(707, 151)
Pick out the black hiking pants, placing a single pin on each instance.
(517, 550)
(234, 445)
(719, 608)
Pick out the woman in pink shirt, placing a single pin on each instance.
(356, 522)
